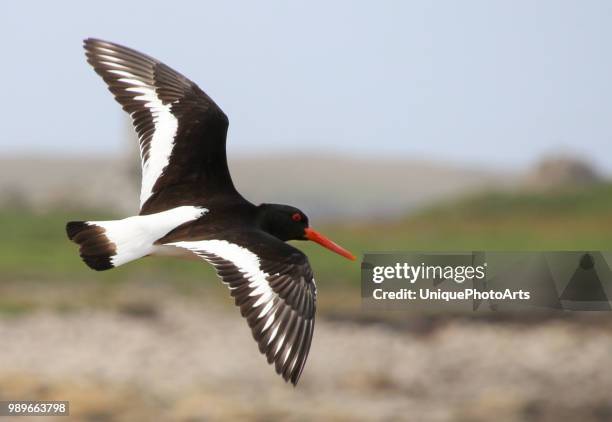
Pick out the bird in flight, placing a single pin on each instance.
(188, 202)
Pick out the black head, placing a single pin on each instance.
(282, 221)
(289, 223)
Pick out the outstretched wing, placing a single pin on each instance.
(180, 129)
(273, 285)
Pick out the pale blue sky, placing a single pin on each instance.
(491, 82)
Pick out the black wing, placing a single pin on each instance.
(180, 129)
(273, 285)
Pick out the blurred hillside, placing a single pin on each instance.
(159, 339)
(324, 186)
(578, 217)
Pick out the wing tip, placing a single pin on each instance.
(285, 339)
(294, 378)
(91, 42)
(93, 46)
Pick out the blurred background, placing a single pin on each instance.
(394, 125)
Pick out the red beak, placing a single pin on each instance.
(315, 236)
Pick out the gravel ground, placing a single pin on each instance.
(184, 362)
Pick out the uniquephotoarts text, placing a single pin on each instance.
(423, 272)
(447, 296)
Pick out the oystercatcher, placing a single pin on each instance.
(188, 202)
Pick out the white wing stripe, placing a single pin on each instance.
(269, 322)
(246, 262)
(279, 345)
(273, 334)
(164, 122)
(265, 310)
(129, 77)
(287, 353)
(162, 141)
(265, 297)
(286, 339)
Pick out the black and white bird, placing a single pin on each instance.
(188, 202)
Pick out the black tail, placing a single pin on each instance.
(96, 249)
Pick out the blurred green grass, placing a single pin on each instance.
(36, 247)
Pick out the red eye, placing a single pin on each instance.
(296, 217)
